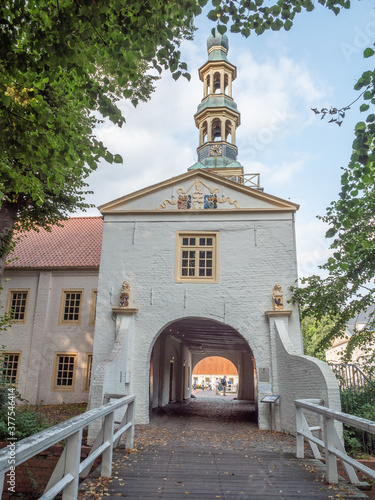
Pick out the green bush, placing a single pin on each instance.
(26, 420)
(353, 400)
(356, 441)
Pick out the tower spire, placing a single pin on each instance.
(217, 117)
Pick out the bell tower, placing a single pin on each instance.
(217, 117)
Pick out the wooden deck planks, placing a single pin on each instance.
(193, 474)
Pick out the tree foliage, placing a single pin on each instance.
(348, 287)
(64, 64)
(316, 336)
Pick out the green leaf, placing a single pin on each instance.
(368, 95)
(176, 75)
(364, 107)
(212, 15)
(221, 29)
(360, 126)
(117, 159)
(288, 24)
(6, 100)
(108, 157)
(368, 52)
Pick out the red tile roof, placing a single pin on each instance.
(215, 365)
(77, 244)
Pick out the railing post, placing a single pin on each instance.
(106, 469)
(130, 417)
(329, 441)
(300, 443)
(72, 460)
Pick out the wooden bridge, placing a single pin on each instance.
(210, 448)
(203, 448)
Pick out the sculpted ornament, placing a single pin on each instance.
(277, 297)
(198, 200)
(125, 294)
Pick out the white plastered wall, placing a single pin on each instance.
(41, 336)
(255, 252)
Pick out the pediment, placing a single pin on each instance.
(197, 190)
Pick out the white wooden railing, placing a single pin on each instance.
(69, 469)
(328, 438)
(252, 180)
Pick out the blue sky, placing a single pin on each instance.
(281, 75)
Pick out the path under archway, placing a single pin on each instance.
(185, 342)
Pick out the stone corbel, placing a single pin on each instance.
(124, 310)
(283, 312)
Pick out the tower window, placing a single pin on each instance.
(196, 257)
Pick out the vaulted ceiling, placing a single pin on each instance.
(202, 335)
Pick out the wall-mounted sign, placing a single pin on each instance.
(270, 398)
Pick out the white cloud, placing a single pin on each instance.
(312, 245)
(159, 139)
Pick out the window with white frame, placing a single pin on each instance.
(88, 370)
(64, 371)
(17, 305)
(196, 257)
(10, 367)
(70, 307)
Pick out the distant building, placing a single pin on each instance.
(50, 284)
(215, 367)
(335, 352)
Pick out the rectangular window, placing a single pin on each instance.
(197, 257)
(64, 371)
(93, 307)
(10, 364)
(17, 305)
(70, 307)
(88, 370)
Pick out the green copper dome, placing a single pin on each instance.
(217, 40)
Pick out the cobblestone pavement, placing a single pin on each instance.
(217, 421)
(209, 447)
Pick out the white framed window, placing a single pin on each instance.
(71, 307)
(197, 257)
(88, 371)
(64, 371)
(17, 305)
(10, 367)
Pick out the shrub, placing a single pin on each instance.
(358, 441)
(27, 421)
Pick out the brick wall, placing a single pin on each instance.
(370, 463)
(32, 476)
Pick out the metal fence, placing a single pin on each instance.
(357, 392)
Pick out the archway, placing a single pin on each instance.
(185, 342)
(212, 371)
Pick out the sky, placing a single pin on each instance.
(280, 77)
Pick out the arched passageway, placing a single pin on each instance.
(211, 371)
(184, 343)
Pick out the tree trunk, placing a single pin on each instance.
(8, 216)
